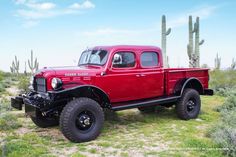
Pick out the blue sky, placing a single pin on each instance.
(58, 30)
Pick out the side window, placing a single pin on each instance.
(149, 59)
(123, 60)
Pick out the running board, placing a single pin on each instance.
(145, 103)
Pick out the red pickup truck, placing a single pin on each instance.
(110, 77)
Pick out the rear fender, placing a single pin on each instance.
(192, 82)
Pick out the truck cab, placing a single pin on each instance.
(110, 77)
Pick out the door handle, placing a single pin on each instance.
(137, 75)
(143, 75)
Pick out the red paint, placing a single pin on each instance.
(125, 84)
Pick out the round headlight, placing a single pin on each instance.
(56, 83)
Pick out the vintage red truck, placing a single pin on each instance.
(110, 77)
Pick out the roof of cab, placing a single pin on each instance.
(132, 47)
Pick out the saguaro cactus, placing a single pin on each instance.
(164, 33)
(233, 64)
(15, 66)
(191, 31)
(197, 43)
(217, 62)
(33, 64)
(12, 67)
(25, 71)
(194, 54)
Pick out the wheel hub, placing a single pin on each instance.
(190, 105)
(84, 120)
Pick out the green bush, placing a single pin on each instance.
(222, 81)
(230, 103)
(4, 105)
(5, 81)
(24, 83)
(1, 75)
(224, 133)
(2, 89)
(8, 121)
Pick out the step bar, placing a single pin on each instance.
(124, 106)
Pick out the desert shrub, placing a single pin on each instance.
(1, 75)
(2, 89)
(222, 81)
(230, 103)
(224, 132)
(5, 81)
(4, 105)
(23, 83)
(8, 121)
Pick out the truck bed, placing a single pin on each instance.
(174, 75)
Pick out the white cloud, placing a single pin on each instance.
(20, 1)
(31, 10)
(32, 15)
(182, 19)
(178, 21)
(41, 6)
(85, 5)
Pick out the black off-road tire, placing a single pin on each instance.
(45, 122)
(74, 113)
(189, 105)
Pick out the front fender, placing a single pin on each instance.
(80, 91)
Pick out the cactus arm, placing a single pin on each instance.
(233, 64)
(189, 51)
(29, 64)
(37, 66)
(32, 57)
(194, 28)
(201, 42)
(11, 69)
(168, 31)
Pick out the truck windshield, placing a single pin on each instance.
(93, 57)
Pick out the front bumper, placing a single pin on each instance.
(32, 101)
(17, 102)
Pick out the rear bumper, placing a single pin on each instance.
(208, 92)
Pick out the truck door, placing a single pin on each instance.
(122, 80)
(151, 75)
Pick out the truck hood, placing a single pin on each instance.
(69, 71)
